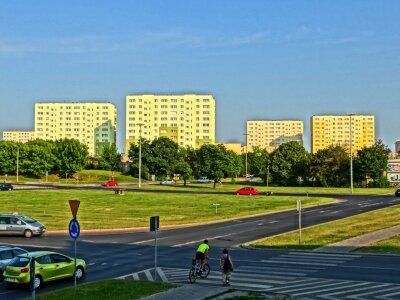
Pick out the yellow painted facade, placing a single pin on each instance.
(270, 134)
(92, 123)
(237, 148)
(18, 136)
(189, 120)
(327, 130)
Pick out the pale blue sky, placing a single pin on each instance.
(260, 59)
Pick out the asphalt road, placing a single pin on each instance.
(116, 255)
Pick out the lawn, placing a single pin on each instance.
(336, 231)
(388, 246)
(108, 290)
(102, 209)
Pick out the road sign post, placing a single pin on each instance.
(74, 229)
(299, 210)
(216, 207)
(154, 226)
(32, 277)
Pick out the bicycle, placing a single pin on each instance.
(196, 271)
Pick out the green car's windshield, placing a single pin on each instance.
(19, 261)
(27, 219)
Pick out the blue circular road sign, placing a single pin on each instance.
(74, 229)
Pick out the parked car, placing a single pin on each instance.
(6, 187)
(48, 266)
(18, 224)
(110, 183)
(248, 190)
(167, 182)
(203, 180)
(397, 193)
(6, 255)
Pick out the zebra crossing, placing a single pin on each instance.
(291, 274)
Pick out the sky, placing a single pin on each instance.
(262, 60)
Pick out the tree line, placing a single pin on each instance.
(289, 165)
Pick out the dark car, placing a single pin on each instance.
(397, 193)
(6, 187)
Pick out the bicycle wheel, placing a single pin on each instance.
(206, 271)
(192, 275)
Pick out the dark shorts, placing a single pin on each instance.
(200, 255)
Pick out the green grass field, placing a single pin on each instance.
(388, 246)
(102, 209)
(108, 290)
(336, 231)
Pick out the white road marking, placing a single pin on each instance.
(148, 275)
(146, 241)
(272, 222)
(330, 289)
(298, 263)
(380, 291)
(325, 254)
(91, 264)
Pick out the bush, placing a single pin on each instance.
(381, 182)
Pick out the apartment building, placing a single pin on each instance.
(92, 123)
(327, 130)
(189, 120)
(270, 134)
(18, 136)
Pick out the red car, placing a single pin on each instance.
(248, 190)
(110, 183)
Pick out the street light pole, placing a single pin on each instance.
(246, 134)
(351, 153)
(140, 154)
(267, 174)
(17, 164)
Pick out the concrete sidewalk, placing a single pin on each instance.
(360, 241)
(187, 291)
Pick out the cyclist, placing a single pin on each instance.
(202, 253)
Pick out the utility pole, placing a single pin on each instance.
(351, 153)
(140, 154)
(246, 134)
(17, 164)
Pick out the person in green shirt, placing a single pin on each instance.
(202, 253)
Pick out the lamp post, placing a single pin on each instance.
(140, 154)
(246, 134)
(351, 153)
(17, 164)
(267, 173)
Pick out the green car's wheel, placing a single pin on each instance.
(79, 273)
(38, 281)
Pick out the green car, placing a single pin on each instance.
(48, 266)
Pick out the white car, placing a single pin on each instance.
(6, 255)
(167, 182)
(203, 180)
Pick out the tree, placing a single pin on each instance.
(289, 164)
(8, 157)
(133, 155)
(71, 156)
(258, 161)
(109, 158)
(371, 162)
(182, 167)
(37, 157)
(216, 162)
(330, 167)
(164, 156)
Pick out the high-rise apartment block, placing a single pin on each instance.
(270, 134)
(92, 123)
(18, 136)
(189, 120)
(335, 130)
(397, 147)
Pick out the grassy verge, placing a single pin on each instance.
(108, 290)
(102, 209)
(336, 231)
(388, 246)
